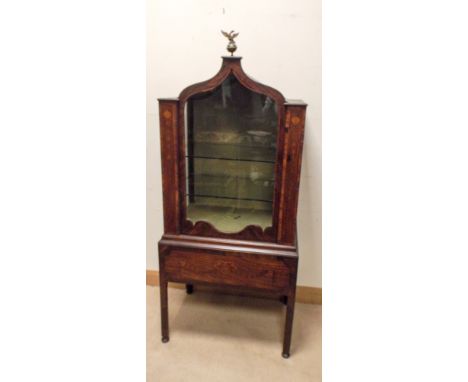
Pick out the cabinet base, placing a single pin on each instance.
(266, 268)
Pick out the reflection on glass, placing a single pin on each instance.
(231, 151)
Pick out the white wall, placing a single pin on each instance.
(280, 42)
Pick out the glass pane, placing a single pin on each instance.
(231, 150)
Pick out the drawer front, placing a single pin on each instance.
(254, 271)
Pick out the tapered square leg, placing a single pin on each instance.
(164, 310)
(189, 288)
(289, 324)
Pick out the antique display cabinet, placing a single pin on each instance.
(231, 158)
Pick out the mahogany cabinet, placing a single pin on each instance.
(231, 159)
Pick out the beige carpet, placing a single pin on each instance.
(216, 337)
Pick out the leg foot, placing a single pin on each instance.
(189, 288)
(164, 310)
(284, 300)
(289, 324)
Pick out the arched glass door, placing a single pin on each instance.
(231, 138)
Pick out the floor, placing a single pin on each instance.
(217, 337)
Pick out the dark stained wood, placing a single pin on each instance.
(191, 164)
(180, 241)
(201, 261)
(252, 271)
(290, 303)
(253, 260)
(164, 298)
(289, 194)
(168, 110)
(189, 288)
(229, 242)
(231, 65)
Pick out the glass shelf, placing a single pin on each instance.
(193, 196)
(232, 159)
(226, 151)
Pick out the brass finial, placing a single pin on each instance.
(232, 47)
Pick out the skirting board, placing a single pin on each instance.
(304, 294)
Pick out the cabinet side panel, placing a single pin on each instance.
(295, 120)
(169, 163)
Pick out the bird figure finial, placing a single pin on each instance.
(232, 47)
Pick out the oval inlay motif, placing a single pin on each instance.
(295, 120)
(167, 114)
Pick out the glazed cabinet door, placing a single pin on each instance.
(230, 160)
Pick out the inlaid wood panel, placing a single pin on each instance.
(254, 271)
(289, 194)
(169, 161)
